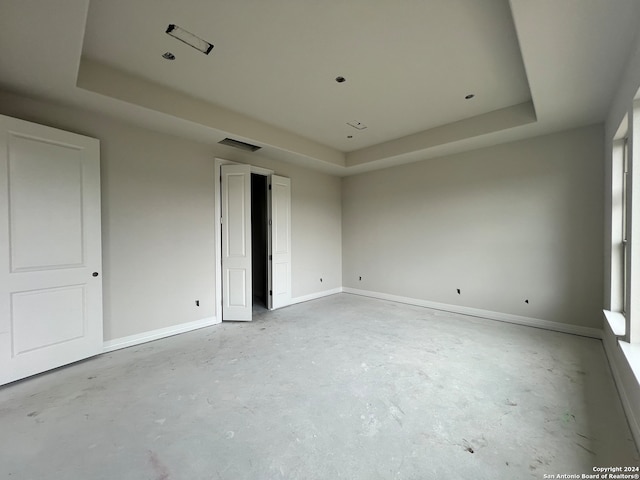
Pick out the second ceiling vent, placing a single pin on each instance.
(238, 144)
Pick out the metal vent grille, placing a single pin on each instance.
(238, 144)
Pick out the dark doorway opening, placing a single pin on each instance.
(259, 234)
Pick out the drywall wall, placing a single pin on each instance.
(505, 224)
(158, 221)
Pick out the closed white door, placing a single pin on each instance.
(50, 249)
(280, 241)
(237, 292)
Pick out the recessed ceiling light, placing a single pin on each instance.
(341, 79)
(168, 56)
(189, 38)
(469, 97)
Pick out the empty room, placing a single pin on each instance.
(355, 239)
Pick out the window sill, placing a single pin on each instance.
(632, 354)
(616, 322)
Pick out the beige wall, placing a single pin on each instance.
(158, 219)
(507, 223)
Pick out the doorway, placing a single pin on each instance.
(234, 240)
(259, 242)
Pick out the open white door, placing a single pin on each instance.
(50, 249)
(280, 189)
(237, 295)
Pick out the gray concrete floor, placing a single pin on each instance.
(344, 387)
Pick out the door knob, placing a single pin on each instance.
(95, 274)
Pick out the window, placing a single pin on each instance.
(619, 244)
(625, 222)
(624, 317)
(632, 229)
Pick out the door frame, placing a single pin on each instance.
(218, 229)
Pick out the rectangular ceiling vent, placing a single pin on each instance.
(357, 125)
(238, 144)
(189, 38)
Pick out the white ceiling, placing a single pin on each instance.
(270, 78)
(408, 64)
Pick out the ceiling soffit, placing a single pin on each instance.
(270, 78)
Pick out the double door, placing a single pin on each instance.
(237, 293)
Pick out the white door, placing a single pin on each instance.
(237, 294)
(50, 249)
(280, 241)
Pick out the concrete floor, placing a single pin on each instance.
(344, 387)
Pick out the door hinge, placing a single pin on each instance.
(270, 292)
(220, 220)
(270, 257)
(269, 222)
(269, 186)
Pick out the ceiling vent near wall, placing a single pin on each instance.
(238, 144)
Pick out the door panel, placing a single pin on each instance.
(237, 287)
(64, 322)
(236, 243)
(45, 205)
(281, 240)
(50, 229)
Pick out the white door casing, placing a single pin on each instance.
(237, 291)
(50, 249)
(280, 241)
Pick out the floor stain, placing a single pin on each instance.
(162, 473)
(468, 446)
(586, 449)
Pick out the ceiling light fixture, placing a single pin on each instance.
(341, 79)
(168, 56)
(349, 136)
(189, 38)
(469, 97)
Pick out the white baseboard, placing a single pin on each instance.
(314, 296)
(634, 425)
(476, 312)
(131, 340)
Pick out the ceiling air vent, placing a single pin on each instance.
(357, 125)
(238, 144)
(189, 38)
